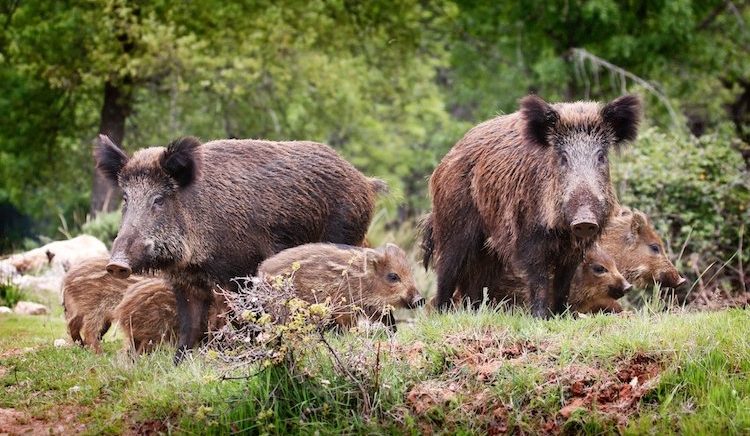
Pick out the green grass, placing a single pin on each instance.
(460, 373)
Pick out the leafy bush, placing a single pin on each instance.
(10, 294)
(104, 227)
(696, 191)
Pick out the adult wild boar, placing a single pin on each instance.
(206, 213)
(530, 190)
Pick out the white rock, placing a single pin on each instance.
(29, 308)
(5, 309)
(59, 343)
(59, 254)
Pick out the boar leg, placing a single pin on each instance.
(451, 264)
(192, 311)
(105, 329)
(91, 331)
(561, 285)
(74, 328)
(533, 261)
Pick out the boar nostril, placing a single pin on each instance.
(584, 228)
(119, 270)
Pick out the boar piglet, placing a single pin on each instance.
(357, 281)
(638, 251)
(90, 296)
(597, 284)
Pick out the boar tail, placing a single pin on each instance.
(378, 185)
(428, 244)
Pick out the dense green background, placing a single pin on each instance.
(392, 85)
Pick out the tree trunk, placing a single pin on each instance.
(117, 104)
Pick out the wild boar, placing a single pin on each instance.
(206, 213)
(527, 192)
(357, 281)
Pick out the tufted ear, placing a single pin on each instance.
(180, 160)
(540, 119)
(110, 159)
(623, 116)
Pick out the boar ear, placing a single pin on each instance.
(179, 160)
(623, 115)
(639, 222)
(110, 159)
(540, 119)
(393, 250)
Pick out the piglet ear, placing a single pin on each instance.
(639, 223)
(393, 250)
(540, 119)
(180, 160)
(623, 115)
(110, 159)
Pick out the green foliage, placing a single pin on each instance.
(104, 227)
(10, 294)
(697, 191)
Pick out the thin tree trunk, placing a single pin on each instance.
(115, 110)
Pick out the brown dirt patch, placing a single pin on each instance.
(57, 421)
(717, 299)
(150, 427)
(432, 394)
(594, 389)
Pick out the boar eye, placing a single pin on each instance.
(598, 269)
(655, 248)
(564, 160)
(393, 277)
(601, 157)
(158, 200)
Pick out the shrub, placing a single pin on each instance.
(104, 227)
(10, 294)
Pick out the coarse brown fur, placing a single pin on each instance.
(346, 276)
(530, 191)
(206, 213)
(90, 296)
(639, 251)
(147, 315)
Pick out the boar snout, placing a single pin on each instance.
(584, 227)
(672, 280)
(416, 301)
(119, 269)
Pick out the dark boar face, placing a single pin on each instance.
(581, 135)
(644, 258)
(394, 283)
(600, 272)
(152, 232)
